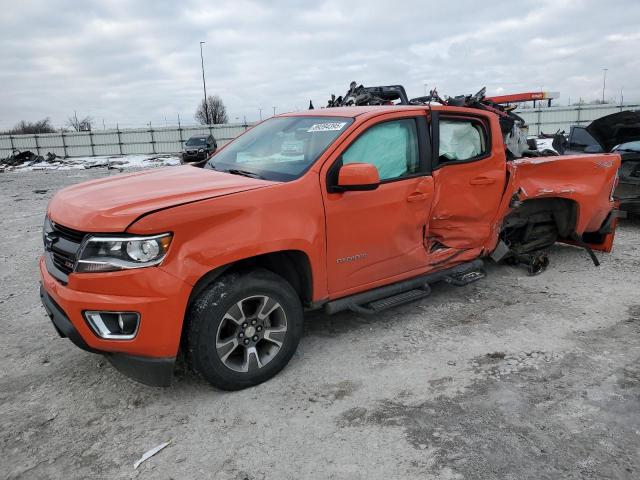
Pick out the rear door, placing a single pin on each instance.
(378, 234)
(469, 172)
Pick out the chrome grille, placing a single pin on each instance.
(61, 245)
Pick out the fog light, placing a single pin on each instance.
(113, 325)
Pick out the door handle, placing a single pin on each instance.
(482, 181)
(417, 197)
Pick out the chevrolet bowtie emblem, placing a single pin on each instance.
(49, 241)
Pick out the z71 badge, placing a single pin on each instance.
(604, 164)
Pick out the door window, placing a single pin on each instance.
(580, 139)
(461, 140)
(392, 147)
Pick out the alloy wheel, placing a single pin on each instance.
(251, 333)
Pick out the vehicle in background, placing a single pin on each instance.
(198, 149)
(617, 133)
(352, 208)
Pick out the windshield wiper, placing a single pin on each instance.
(245, 173)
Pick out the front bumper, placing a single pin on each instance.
(194, 157)
(157, 296)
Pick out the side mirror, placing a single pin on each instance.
(358, 176)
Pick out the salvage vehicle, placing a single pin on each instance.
(349, 208)
(618, 133)
(198, 149)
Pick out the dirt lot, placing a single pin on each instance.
(512, 377)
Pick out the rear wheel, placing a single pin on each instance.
(244, 329)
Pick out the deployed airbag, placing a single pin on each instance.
(384, 146)
(459, 140)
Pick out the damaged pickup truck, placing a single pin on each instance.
(373, 205)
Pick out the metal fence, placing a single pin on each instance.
(552, 119)
(171, 139)
(118, 141)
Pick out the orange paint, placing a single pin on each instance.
(354, 240)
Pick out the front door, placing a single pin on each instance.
(378, 234)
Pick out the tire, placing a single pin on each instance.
(227, 318)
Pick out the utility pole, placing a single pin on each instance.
(204, 86)
(260, 110)
(274, 111)
(604, 81)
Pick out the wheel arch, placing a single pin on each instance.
(565, 212)
(293, 266)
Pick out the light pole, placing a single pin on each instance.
(274, 111)
(604, 81)
(204, 86)
(260, 114)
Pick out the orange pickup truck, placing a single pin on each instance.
(356, 208)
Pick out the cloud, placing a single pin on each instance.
(133, 62)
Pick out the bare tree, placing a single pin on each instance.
(213, 113)
(78, 125)
(26, 127)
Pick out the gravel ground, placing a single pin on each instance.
(512, 377)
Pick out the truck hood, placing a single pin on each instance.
(112, 204)
(615, 129)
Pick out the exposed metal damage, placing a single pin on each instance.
(539, 216)
(514, 129)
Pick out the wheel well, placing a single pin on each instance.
(292, 265)
(535, 225)
(562, 211)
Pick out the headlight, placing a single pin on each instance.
(106, 254)
(201, 150)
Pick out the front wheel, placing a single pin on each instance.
(244, 329)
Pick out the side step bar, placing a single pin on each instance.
(379, 299)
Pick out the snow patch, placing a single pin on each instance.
(112, 162)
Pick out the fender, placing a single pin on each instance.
(225, 230)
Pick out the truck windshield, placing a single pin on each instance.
(628, 147)
(281, 148)
(196, 141)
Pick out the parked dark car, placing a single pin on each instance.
(615, 133)
(199, 149)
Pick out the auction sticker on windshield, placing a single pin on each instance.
(327, 127)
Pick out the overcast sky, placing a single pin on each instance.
(133, 62)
